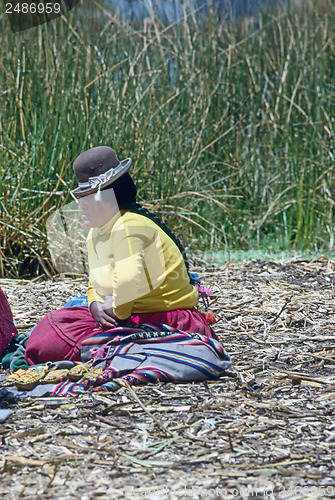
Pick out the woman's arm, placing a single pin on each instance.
(138, 257)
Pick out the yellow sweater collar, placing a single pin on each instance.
(109, 225)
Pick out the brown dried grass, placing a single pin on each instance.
(269, 428)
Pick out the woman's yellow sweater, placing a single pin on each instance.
(132, 260)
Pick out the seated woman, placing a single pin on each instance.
(138, 271)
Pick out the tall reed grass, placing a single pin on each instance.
(230, 124)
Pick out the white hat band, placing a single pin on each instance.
(99, 180)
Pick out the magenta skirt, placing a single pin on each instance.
(7, 327)
(60, 333)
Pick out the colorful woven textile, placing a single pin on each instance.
(147, 354)
(150, 354)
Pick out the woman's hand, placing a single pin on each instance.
(104, 318)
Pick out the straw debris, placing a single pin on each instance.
(266, 429)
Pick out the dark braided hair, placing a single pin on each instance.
(125, 192)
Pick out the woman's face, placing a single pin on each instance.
(97, 213)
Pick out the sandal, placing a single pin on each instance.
(79, 370)
(30, 377)
(92, 374)
(55, 376)
(12, 378)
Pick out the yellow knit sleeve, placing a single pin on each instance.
(139, 265)
(128, 271)
(93, 295)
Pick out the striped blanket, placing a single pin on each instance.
(148, 354)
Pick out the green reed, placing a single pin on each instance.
(230, 124)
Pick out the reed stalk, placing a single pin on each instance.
(230, 123)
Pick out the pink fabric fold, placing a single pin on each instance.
(7, 327)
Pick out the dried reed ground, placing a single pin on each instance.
(268, 432)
